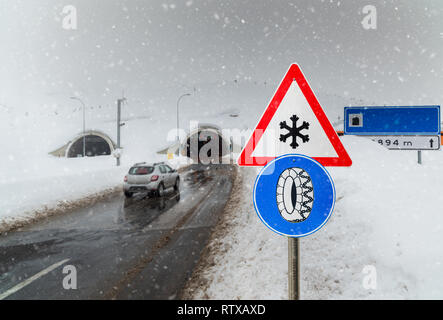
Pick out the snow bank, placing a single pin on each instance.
(46, 184)
(387, 215)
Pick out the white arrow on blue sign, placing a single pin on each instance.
(294, 195)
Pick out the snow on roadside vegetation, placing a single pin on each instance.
(387, 215)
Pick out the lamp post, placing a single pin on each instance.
(84, 129)
(119, 125)
(178, 136)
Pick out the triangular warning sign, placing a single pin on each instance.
(294, 122)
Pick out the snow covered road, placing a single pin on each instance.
(142, 248)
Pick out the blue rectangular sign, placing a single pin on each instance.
(387, 120)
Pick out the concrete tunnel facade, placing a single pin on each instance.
(203, 144)
(96, 144)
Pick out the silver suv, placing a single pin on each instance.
(152, 178)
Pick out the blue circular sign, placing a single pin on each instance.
(294, 195)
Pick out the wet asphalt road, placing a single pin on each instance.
(141, 248)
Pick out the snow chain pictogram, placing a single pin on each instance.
(306, 194)
(295, 194)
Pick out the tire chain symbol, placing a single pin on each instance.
(306, 194)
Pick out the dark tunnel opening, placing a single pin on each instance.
(94, 146)
(202, 138)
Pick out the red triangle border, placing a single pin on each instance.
(294, 73)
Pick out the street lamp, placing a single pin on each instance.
(84, 129)
(178, 137)
(119, 125)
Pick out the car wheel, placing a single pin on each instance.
(161, 190)
(177, 184)
(128, 194)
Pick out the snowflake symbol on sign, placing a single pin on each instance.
(294, 131)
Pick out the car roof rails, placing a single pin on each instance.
(139, 163)
(157, 163)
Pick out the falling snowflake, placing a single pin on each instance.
(294, 131)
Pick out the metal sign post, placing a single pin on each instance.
(294, 196)
(293, 268)
(119, 125)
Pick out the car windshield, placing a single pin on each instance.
(141, 170)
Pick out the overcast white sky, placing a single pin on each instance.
(149, 48)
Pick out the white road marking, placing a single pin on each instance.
(31, 279)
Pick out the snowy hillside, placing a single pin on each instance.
(387, 216)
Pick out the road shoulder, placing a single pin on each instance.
(199, 281)
(61, 207)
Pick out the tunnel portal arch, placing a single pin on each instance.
(96, 144)
(198, 148)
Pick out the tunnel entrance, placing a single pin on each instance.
(94, 146)
(206, 146)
